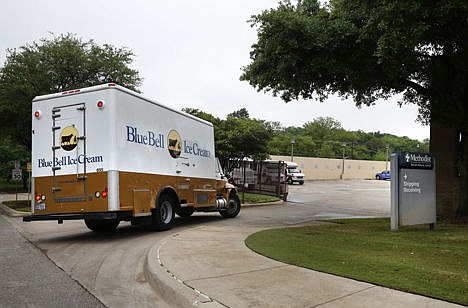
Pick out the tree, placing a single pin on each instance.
(9, 153)
(54, 65)
(238, 136)
(240, 114)
(322, 127)
(369, 50)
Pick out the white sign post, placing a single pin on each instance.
(413, 190)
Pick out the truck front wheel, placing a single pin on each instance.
(102, 225)
(163, 214)
(234, 207)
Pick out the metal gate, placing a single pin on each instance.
(261, 177)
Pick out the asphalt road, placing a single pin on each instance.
(110, 266)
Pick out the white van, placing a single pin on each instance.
(294, 175)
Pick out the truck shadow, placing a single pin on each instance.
(125, 231)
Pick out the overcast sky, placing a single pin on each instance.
(190, 54)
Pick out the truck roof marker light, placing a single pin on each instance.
(100, 104)
(111, 84)
(70, 92)
(37, 114)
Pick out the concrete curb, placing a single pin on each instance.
(173, 290)
(280, 202)
(6, 210)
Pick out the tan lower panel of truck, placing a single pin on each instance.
(137, 192)
(72, 195)
(137, 188)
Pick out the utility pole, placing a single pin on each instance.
(292, 149)
(386, 159)
(342, 169)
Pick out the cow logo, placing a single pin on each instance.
(69, 138)
(174, 142)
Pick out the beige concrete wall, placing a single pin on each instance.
(332, 169)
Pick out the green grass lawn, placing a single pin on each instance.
(20, 205)
(256, 198)
(431, 263)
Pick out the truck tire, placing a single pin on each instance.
(234, 207)
(102, 225)
(301, 182)
(162, 216)
(289, 181)
(377, 177)
(185, 211)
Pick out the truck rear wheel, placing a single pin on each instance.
(234, 207)
(163, 215)
(102, 225)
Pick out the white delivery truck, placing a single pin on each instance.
(106, 154)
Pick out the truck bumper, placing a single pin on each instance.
(76, 216)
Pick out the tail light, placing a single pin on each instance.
(101, 194)
(40, 198)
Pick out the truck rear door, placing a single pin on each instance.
(69, 152)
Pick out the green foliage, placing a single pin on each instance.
(54, 65)
(324, 137)
(416, 260)
(49, 66)
(240, 114)
(368, 50)
(238, 136)
(9, 152)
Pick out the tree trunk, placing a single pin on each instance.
(445, 147)
(463, 168)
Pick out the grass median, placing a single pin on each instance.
(414, 259)
(256, 198)
(20, 205)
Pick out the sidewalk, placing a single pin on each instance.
(210, 266)
(30, 279)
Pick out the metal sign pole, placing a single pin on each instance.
(394, 191)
